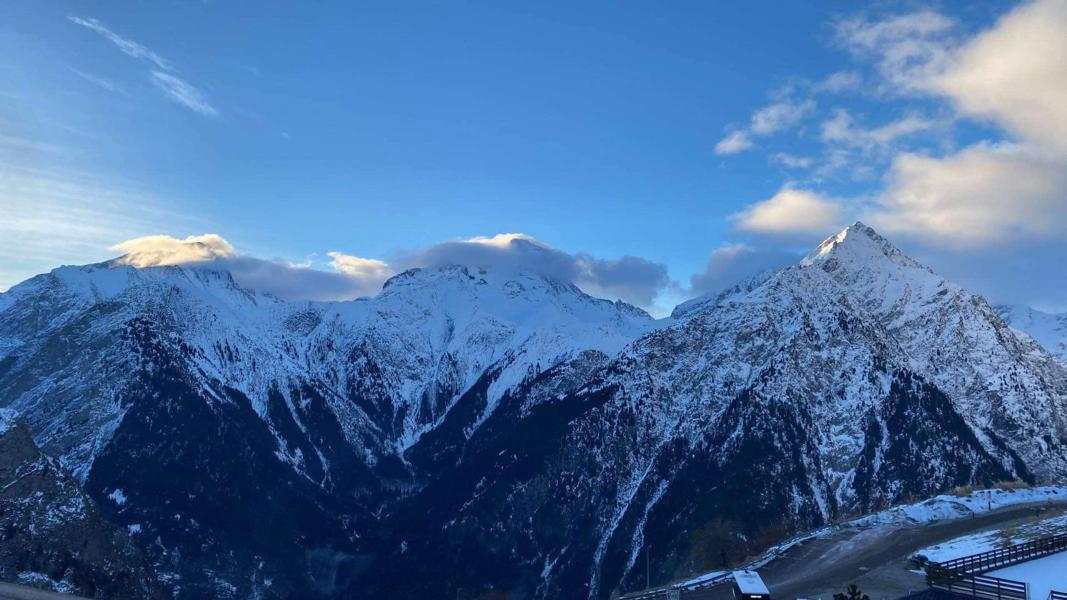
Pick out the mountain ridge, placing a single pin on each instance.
(549, 435)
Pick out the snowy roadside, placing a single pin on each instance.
(993, 539)
(978, 502)
(939, 508)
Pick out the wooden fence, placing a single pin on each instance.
(1005, 557)
(966, 575)
(977, 586)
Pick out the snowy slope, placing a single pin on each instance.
(187, 370)
(1000, 381)
(848, 382)
(1047, 329)
(427, 338)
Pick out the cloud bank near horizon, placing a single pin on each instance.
(632, 279)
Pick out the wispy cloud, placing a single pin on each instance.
(100, 82)
(778, 116)
(163, 74)
(128, 46)
(179, 90)
(733, 143)
(792, 161)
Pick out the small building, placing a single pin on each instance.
(749, 586)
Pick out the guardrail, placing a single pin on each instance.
(681, 591)
(1005, 557)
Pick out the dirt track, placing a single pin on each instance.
(875, 558)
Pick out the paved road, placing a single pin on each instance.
(874, 558)
(10, 591)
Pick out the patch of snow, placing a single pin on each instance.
(7, 419)
(706, 578)
(938, 508)
(990, 540)
(1042, 575)
(117, 496)
(947, 506)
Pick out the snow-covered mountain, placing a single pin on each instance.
(106, 360)
(1047, 329)
(481, 429)
(845, 383)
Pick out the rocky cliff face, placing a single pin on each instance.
(476, 430)
(53, 536)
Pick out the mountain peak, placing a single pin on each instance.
(857, 243)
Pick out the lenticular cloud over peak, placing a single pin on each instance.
(633, 279)
(164, 250)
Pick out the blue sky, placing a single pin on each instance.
(729, 132)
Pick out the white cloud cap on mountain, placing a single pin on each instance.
(164, 250)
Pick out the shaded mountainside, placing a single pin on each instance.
(1047, 329)
(477, 430)
(53, 536)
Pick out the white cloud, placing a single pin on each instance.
(735, 142)
(840, 81)
(632, 279)
(101, 82)
(178, 90)
(164, 250)
(352, 276)
(1015, 74)
(502, 240)
(780, 116)
(773, 118)
(355, 266)
(791, 212)
(732, 263)
(792, 161)
(1011, 75)
(982, 194)
(842, 129)
(162, 75)
(126, 45)
(908, 49)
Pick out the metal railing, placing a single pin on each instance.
(680, 591)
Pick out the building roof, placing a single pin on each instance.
(749, 582)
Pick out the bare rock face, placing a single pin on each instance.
(53, 536)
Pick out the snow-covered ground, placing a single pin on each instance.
(938, 508)
(947, 506)
(1042, 575)
(991, 540)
